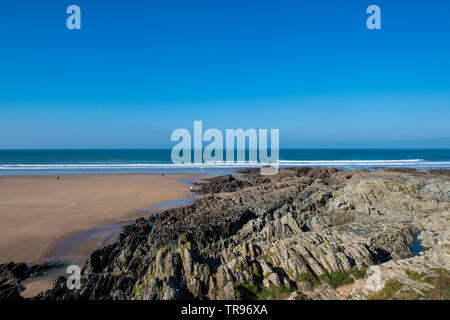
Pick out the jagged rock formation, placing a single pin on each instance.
(218, 184)
(423, 276)
(13, 274)
(302, 233)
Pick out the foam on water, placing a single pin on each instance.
(281, 163)
(159, 160)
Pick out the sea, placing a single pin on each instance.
(86, 161)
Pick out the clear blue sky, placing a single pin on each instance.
(139, 69)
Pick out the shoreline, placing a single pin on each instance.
(214, 169)
(75, 246)
(38, 211)
(63, 253)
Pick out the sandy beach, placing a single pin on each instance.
(38, 211)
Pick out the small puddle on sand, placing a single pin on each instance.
(34, 286)
(175, 203)
(171, 204)
(98, 236)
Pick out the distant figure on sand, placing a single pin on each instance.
(57, 177)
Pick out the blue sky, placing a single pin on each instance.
(138, 70)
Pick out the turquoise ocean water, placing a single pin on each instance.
(159, 160)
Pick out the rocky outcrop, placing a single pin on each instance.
(226, 183)
(425, 275)
(13, 274)
(304, 233)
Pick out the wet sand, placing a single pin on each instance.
(38, 212)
